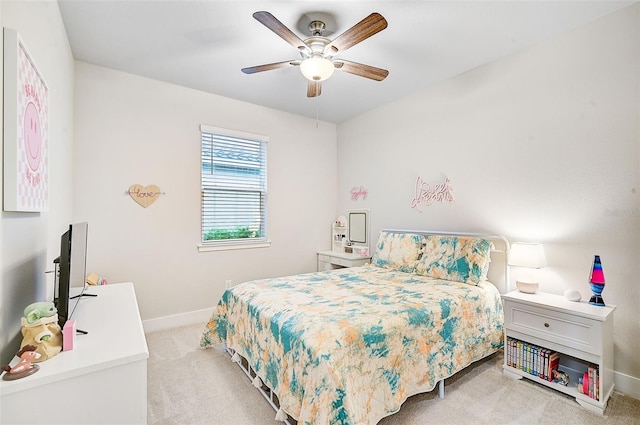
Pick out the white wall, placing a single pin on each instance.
(541, 146)
(30, 241)
(130, 130)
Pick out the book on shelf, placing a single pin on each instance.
(591, 383)
(534, 360)
(511, 347)
(594, 382)
(531, 358)
(541, 362)
(590, 375)
(554, 363)
(547, 354)
(544, 364)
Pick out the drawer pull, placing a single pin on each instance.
(546, 325)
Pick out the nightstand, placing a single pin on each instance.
(328, 260)
(581, 333)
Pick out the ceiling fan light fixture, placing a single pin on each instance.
(316, 68)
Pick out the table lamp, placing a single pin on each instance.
(528, 255)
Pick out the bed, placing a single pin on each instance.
(349, 346)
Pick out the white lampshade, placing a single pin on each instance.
(529, 255)
(317, 68)
(525, 254)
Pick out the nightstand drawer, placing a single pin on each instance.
(565, 329)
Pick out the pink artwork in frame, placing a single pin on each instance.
(26, 125)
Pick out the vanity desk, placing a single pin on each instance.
(353, 234)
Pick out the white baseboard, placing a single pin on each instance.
(177, 320)
(628, 385)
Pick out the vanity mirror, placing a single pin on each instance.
(359, 226)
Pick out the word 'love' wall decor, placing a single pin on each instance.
(144, 195)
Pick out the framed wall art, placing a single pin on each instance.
(26, 129)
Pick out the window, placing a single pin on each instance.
(234, 189)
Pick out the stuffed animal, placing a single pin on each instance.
(40, 328)
(39, 310)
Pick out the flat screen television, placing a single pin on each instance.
(72, 270)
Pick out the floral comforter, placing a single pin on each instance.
(348, 346)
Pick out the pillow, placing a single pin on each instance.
(397, 251)
(457, 258)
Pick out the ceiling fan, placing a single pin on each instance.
(318, 53)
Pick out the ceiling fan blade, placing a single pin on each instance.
(314, 88)
(269, 66)
(361, 70)
(271, 22)
(364, 29)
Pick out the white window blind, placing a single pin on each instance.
(234, 187)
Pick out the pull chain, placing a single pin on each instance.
(317, 109)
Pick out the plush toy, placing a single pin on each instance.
(40, 328)
(37, 311)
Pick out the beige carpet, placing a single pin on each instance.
(191, 386)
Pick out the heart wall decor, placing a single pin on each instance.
(144, 195)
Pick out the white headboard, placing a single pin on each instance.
(499, 268)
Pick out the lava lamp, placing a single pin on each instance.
(596, 280)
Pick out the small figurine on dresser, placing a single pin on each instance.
(24, 367)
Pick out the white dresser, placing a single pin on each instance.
(580, 332)
(103, 380)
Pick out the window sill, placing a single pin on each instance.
(233, 246)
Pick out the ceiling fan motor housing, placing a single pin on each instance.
(316, 27)
(317, 45)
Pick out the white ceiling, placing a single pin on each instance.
(204, 44)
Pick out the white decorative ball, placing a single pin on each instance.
(572, 295)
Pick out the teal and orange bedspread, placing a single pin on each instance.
(349, 346)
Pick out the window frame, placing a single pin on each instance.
(241, 243)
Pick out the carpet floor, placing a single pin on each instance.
(191, 386)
